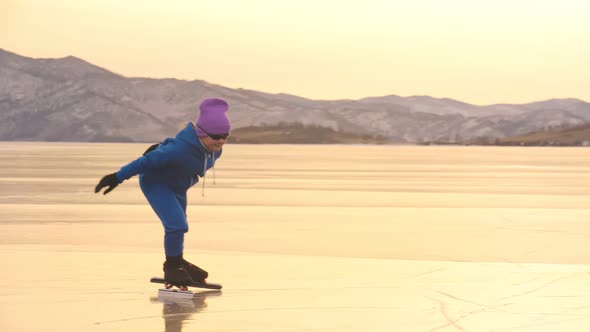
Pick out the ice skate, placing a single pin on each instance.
(175, 274)
(197, 274)
(209, 285)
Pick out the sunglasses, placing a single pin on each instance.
(215, 137)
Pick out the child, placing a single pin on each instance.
(167, 170)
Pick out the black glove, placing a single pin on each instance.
(109, 181)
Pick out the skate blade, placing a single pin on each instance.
(169, 286)
(172, 293)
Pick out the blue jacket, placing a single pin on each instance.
(176, 162)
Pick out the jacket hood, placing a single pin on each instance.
(189, 136)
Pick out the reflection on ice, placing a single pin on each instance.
(176, 309)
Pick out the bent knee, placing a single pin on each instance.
(176, 228)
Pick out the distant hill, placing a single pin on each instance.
(69, 99)
(576, 136)
(300, 134)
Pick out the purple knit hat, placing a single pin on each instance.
(212, 117)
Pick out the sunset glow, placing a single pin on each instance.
(477, 51)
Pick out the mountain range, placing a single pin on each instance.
(69, 99)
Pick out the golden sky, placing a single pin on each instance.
(477, 51)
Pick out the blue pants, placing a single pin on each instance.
(171, 209)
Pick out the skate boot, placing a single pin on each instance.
(175, 274)
(195, 272)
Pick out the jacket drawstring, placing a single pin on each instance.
(204, 173)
